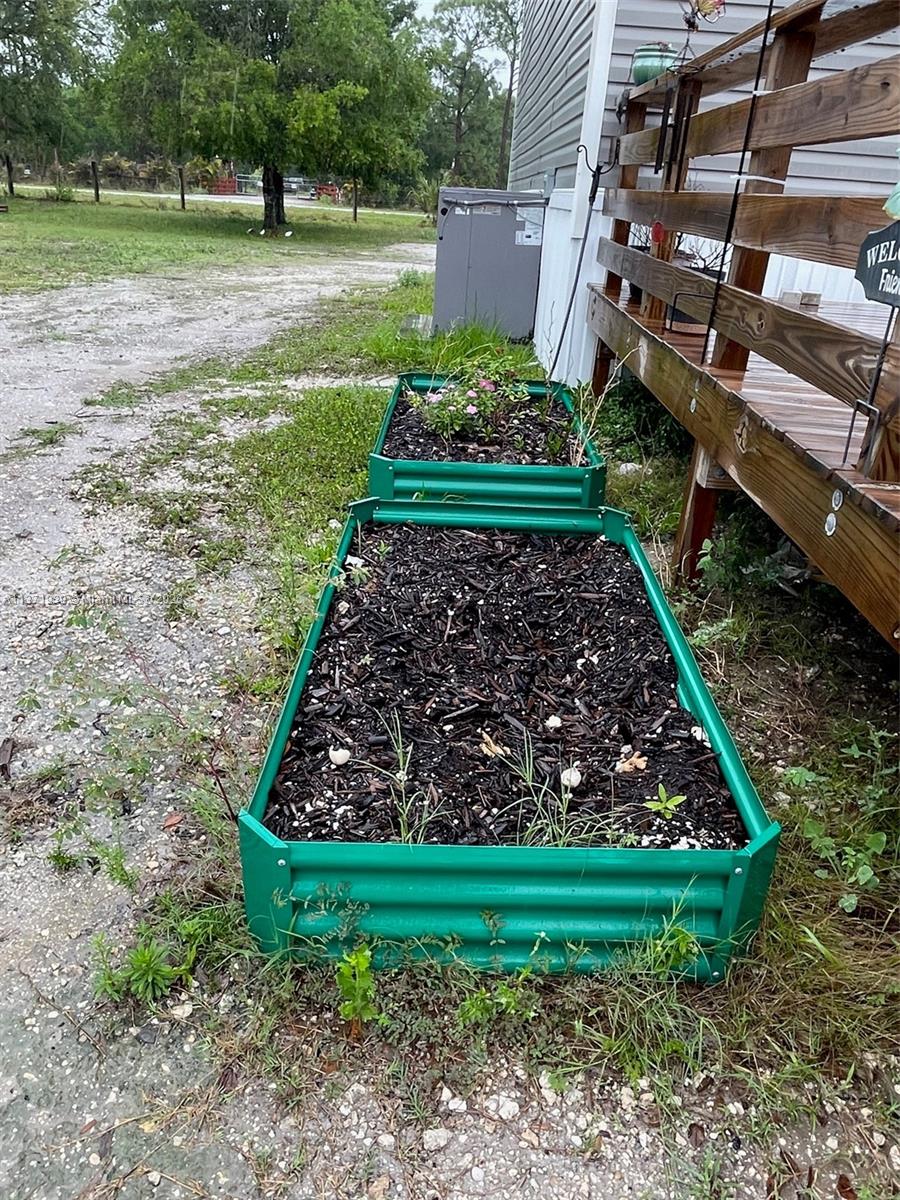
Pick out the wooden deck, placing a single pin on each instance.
(811, 422)
(782, 441)
(773, 402)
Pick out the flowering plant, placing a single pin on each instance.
(473, 400)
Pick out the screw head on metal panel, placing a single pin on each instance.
(717, 974)
(282, 862)
(837, 499)
(738, 870)
(830, 524)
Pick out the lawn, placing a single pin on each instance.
(44, 243)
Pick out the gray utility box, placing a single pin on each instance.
(488, 259)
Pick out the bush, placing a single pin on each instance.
(633, 423)
(62, 193)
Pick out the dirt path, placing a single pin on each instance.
(59, 347)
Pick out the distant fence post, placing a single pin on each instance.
(9, 175)
(96, 179)
(181, 186)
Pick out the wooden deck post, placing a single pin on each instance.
(687, 99)
(705, 480)
(635, 119)
(789, 62)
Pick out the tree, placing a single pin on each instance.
(311, 83)
(477, 161)
(506, 17)
(43, 47)
(469, 126)
(462, 33)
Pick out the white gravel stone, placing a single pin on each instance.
(504, 1107)
(436, 1138)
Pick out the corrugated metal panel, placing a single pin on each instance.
(583, 905)
(580, 486)
(547, 125)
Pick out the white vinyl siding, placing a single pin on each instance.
(553, 80)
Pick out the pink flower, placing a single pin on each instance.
(472, 394)
(471, 410)
(432, 397)
(486, 385)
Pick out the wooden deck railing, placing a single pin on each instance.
(835, 359)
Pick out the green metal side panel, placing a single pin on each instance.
(486, 483)
(500, 908)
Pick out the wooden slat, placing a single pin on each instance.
(860, 557)
(840, 361)
(724, 68)
(860, 103)
(826, 229)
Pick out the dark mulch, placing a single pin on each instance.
(522, 434)
(470, 641)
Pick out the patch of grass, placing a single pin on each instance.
(43, 437)
(171, 509)
(652, 494)
(103, 483)
(120, 395)
(216, 555)
(296, 478)
(361, 332)
(48, 245)
(178, 600)
(73, 555)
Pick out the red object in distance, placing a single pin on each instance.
(657, 233)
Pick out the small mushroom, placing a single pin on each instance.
(553, 722)
(570, 778)
(338, 755)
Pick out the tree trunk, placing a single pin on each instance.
(279, 198)
(458, 130)
(502, 167)
(355, 199)
(9, 176)
(270, 198)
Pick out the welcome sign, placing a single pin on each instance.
(878, 265)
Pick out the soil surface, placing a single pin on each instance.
(522, 434)
(494, 687)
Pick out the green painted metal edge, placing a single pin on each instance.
(504, 483)
(411, 899)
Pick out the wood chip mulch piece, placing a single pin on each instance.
(521, 435)
(490, 687)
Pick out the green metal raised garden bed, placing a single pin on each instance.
(491, 905)
(581, 487)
